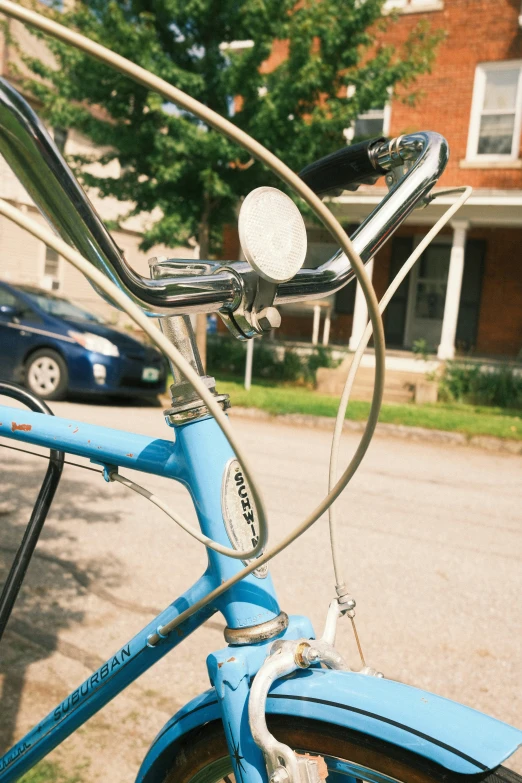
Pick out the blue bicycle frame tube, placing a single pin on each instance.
(122, 668)
(198, 459)
(205, 453)
(99, 444)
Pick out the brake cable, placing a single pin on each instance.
(221, 124)
(234, 133)
(172, 353)
(46, 456)
(346, 602)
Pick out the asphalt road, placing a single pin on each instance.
(431, 539)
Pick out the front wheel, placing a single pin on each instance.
(46, 374)
(202, 757)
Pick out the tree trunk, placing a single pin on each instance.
(201, 318)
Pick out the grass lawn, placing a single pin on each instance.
(49, 772)
(467, 419)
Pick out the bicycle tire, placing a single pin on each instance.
(202, 756)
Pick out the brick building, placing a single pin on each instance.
(465, 293)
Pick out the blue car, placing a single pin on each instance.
(54, 347)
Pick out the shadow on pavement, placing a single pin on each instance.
(54, 587)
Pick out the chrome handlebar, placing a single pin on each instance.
(199, 286)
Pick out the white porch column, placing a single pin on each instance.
(360, 312)
(446, 348)
(326, 328)
(316, 324)
(248, 363)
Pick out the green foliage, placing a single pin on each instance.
(320, 357)
(48, 772)
(467, 419)
(172, 162)
(226, 356)
(420, 349)
(482, 385)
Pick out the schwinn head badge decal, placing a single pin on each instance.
(239, 512)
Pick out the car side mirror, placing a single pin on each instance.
(10, 311)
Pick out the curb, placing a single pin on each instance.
(484, 442)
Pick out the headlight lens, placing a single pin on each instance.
(95, 343)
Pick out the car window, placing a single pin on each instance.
(61, 307)
(7, 298)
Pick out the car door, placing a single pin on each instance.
(11, 339)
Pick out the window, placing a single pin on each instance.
(413, 6)
(496, 110)
(345, 300)
(56, 4)
(62, 308)
(370, 124)
(51, 272)
(7, 299)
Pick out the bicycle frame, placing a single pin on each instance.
(455, 736)
(447, 733)
(186, 460)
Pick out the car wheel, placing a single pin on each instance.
(46, 374)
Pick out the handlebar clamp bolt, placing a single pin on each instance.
(269, 319)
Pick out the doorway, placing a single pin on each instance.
(427, 296)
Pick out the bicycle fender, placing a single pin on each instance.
(458, 738)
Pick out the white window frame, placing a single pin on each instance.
(386, 117)
(47, 280)
(479, 87)
(349, 132)
(412, 6)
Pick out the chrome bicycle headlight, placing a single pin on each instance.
(95, 343)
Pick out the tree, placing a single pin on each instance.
(333, 69)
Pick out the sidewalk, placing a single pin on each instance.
(391, 430)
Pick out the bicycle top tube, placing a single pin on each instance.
(199, 458)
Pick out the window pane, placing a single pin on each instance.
(368, 126)
(434, 263)
(501, 90)
(8, 299)
(430, 301)
(52, 261)
(496, 134)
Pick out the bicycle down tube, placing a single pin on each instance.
(251, 601)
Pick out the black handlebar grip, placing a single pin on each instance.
(345, 169)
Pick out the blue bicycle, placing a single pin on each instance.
(283, 706)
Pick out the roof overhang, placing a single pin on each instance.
(483, 208)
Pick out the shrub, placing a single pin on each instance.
(482, 384)
(320, 357)
(227, 355)
(420, 349)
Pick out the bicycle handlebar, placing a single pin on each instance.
(200, 286)
(345, 169)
